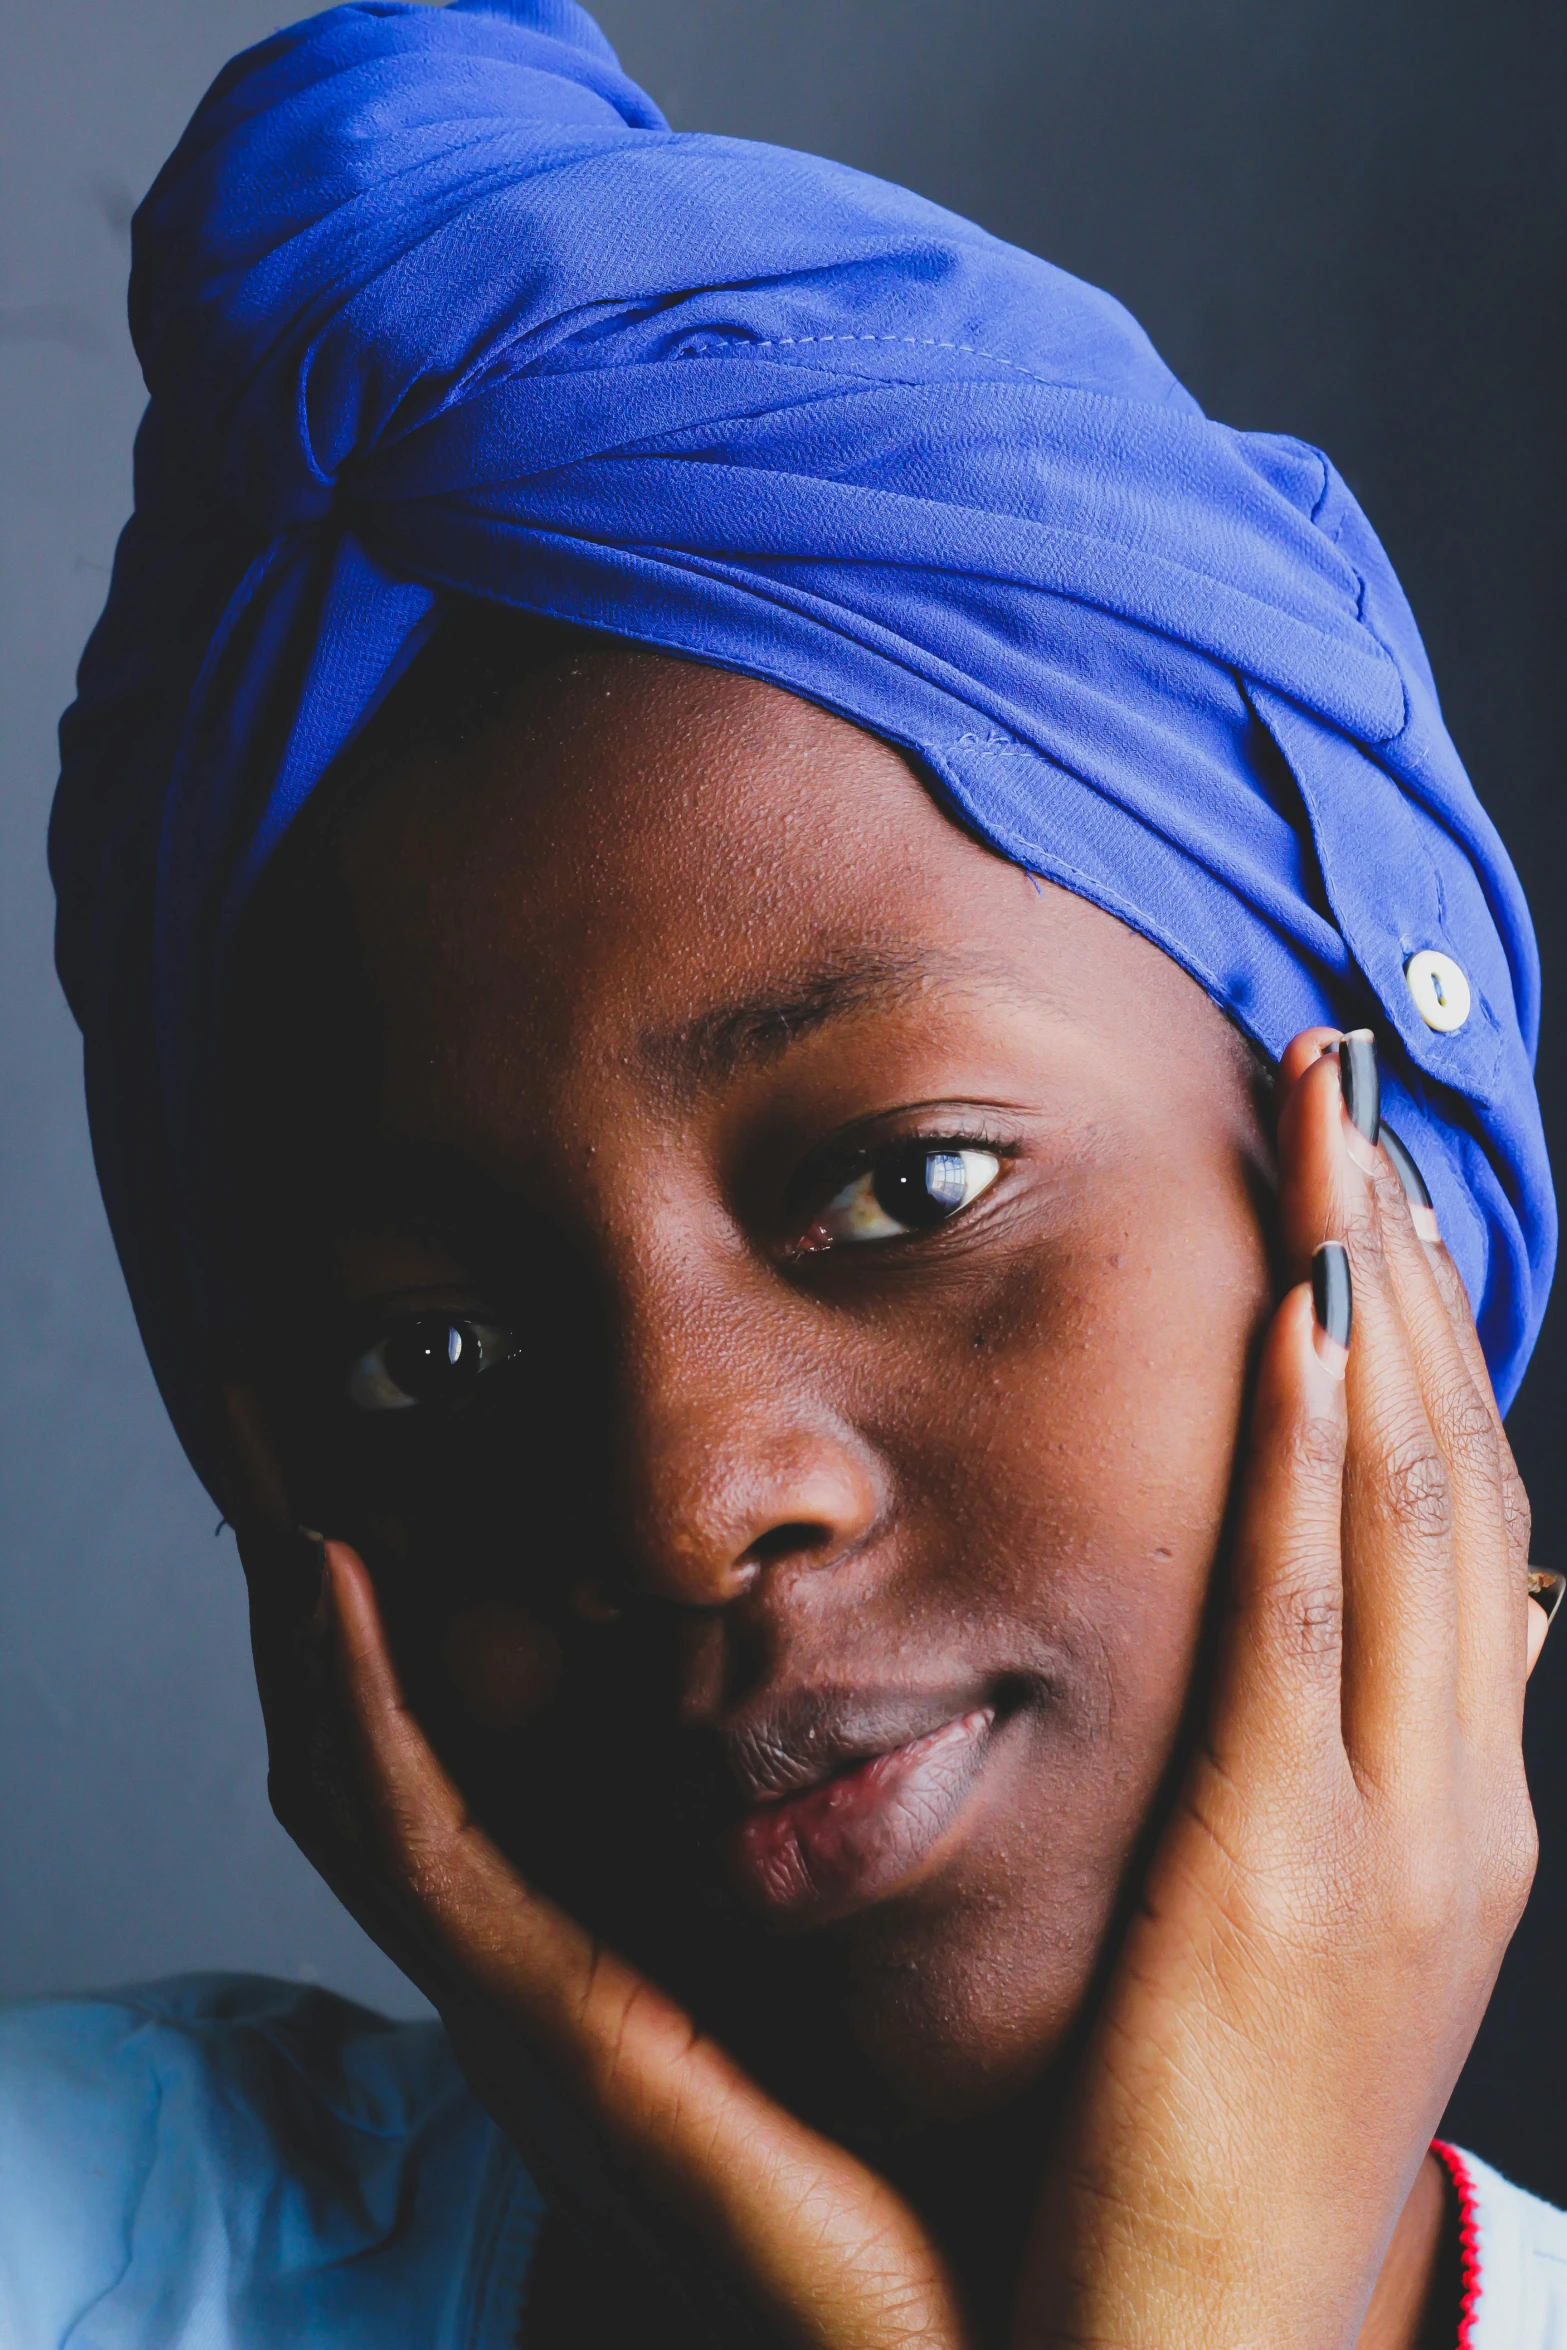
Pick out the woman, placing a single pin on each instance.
(743, 908)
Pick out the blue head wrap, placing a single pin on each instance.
(433, 301)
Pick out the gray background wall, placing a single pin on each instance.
(1342, 218)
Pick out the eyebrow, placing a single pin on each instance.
(714, 1046)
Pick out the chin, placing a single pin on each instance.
(964, 2008)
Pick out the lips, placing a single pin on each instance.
(852, 1834)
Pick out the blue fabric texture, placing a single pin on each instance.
(433, 301)
(225, 2163)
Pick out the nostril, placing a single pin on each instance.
(720, 1503)
(792, 1540)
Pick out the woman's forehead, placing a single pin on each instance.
(701, 863)
(660, 900)
(623, 771)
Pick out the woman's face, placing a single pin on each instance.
(778, 1335)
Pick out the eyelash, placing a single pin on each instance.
(831, 1183)
(373, 1387)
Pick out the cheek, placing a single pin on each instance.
(1108, 1448)
(1069, 1456)
(1077, 1425)
(503, 1665)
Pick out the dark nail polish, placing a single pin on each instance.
(1422, 1213)
(1359, 1082)
(1404, 1168)
(1547, 1587)
(1331, 1293)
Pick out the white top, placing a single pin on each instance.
(226, 2163)
(1515, 2261)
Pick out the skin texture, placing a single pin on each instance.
(646, 977)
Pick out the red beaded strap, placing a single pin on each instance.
(1468, 2239)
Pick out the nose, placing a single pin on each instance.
(736, 1463)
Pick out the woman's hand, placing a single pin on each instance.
(795, 2241)
(1314, 1945)
(1324, 1918)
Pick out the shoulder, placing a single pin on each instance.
(1514, 2261)
(234, 2162)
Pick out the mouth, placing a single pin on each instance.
(856, 1833)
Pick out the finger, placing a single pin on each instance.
(309, 1779)
(309, 1783)
(817, 2237)
(1487, 1522)
(283, 1568)
(1277, 1697)
(1462, 1407)
(1400, 1603)
(1301, 1054)
(1449, 1282)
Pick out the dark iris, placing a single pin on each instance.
(432, 1358)
(921, 1188)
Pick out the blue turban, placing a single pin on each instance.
(433, 302)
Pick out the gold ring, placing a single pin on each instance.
(1547, 1587)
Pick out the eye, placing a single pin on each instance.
(428, 1359)
(912, 1189)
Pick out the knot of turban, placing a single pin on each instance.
(432, 302)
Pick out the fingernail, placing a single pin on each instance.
(1361, 1088)
(1421, 1213)
(1547, 1587)
(1332, 1299)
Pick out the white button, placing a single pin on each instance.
(1440, 990)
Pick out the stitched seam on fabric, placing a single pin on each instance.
(909, 342)
(1468, 2240)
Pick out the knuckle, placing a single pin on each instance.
(1433, 1887)
(1303, 1618)
(1460, 1892)
(1363, 1238)
(1429, 1909)
(1470, 1435)
(1315, 1448)
(1411, 1486)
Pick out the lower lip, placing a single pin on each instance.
(855, 1838)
